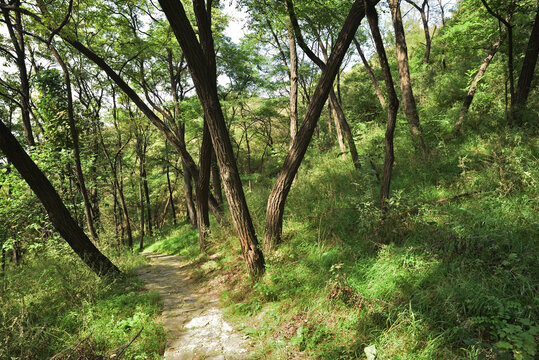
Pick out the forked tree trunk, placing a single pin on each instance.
(57, 211)
(526, 74)
(279, 193)
(408, 100)
(393, 107)
(201, 61)
(473, 87)
(425, 20)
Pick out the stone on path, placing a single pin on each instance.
(192, 319)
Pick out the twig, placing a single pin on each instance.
(126, 346)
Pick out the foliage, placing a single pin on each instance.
(54, 302)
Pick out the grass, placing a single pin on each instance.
(448, 273)
(53, 304)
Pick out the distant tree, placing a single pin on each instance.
(408, 100)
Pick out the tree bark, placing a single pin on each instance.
(58, 213)
(202, 189)
(279, 193)
(201, 61)
(526, 74)
(473, 87)
(371, 74)
(216, 179)
(393, 107)
(408, 100)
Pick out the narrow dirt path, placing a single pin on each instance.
(192, 318)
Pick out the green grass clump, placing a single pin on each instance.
(53, 303)
(182, 240)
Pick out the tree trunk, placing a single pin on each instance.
(526, 74)
(425, 21)
(279, 193)
(58, 213)
(76, 148)
(473, 87)
(408, 100)
(293, 82)
(17, 38)
(371, 74)
(216, 179)
(202, 189)
(372, 17)
(341, 125)
(510, 66)
(336, 121)
(188, 194)
(145, 186)
(170, 191)
(142, 221)
(201, 61)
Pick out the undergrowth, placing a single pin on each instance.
(54, 305)
(448, 273)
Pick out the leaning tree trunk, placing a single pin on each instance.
(393, 107)
(57, 211)
(408, 100)
(201, 62)
(526, 74)
(473, 87)
(342, 126)
(371, 74)
(279, 193)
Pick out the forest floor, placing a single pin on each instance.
(191, 314)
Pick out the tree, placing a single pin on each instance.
(281, 188)
(424, 12)
(393, 107)
(408, 100)
(201, 61)
(57, 211)
(333, 100)
(16, 33)
(526, 74)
